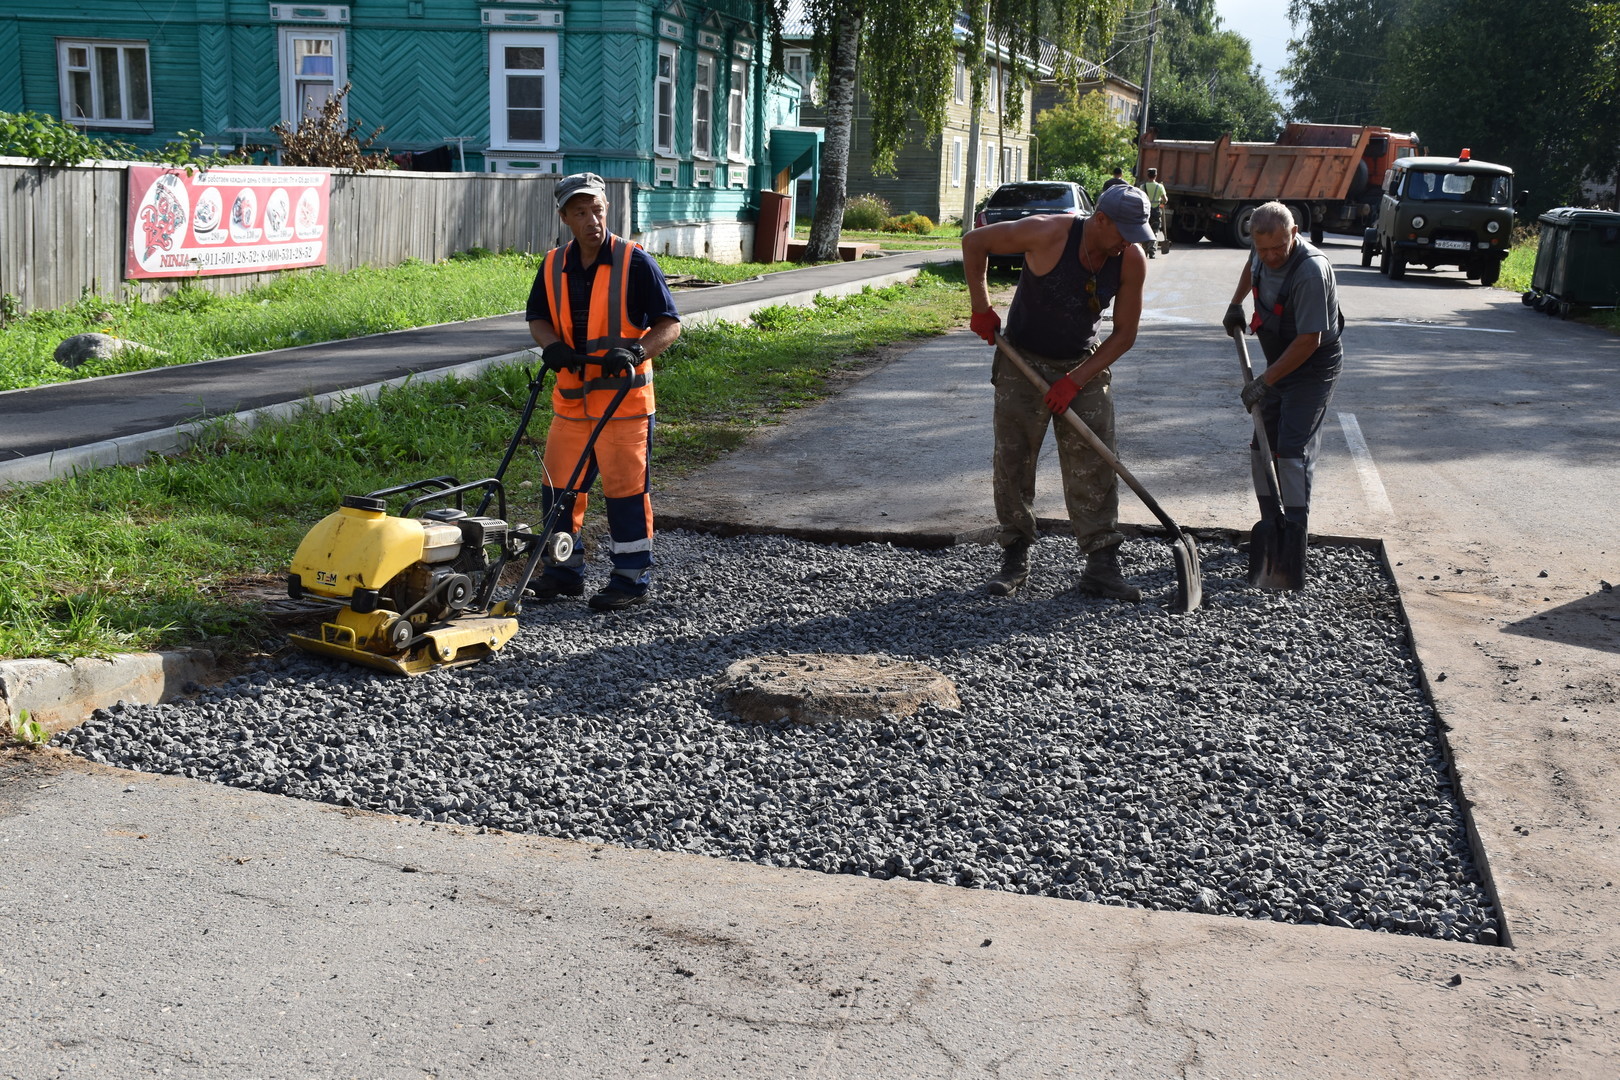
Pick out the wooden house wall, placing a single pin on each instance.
(215, 66)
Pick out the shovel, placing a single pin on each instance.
(1189, 571)
(1276, 545)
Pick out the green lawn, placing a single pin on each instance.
(158, 555)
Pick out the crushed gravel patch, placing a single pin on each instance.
(1270, 756)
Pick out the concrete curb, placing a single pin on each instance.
(62, 694)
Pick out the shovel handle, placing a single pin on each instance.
(1259, 424)
(1079, 425)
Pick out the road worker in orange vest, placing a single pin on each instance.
(600, 311)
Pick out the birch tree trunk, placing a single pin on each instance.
(833, 190)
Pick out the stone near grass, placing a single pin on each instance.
(816, 687)
(82, 347)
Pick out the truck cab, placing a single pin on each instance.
(1437, 211)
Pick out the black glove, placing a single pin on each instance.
(618, 362)
(1254, 391)
(560, 356)
(1234, 323)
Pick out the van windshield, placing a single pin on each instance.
(1426, 185)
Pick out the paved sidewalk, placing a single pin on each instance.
(50, 431)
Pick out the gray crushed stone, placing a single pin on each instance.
(1270, 756)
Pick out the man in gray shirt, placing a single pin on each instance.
(1298, 322)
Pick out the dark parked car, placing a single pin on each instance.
(1009, 202)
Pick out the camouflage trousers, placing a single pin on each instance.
(1090, 485)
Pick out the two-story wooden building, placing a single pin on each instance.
(674, 96)
(930, 174)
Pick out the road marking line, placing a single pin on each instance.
(1410, 325)
(1372, 485)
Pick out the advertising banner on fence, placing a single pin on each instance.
(239, 220)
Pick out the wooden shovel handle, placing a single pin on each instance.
(1259, 424)
(1090, 436)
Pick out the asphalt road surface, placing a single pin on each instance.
(161, 927)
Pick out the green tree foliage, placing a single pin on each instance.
(1205, 81)
(902, 54)
(1524, 85)
(52, 142)
(1337, 57)
(1082, 138)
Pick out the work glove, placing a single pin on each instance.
(1060, 395)
(1254, 391)
(1234, 323)
(617, 362)
(560, 356)
(986, 324)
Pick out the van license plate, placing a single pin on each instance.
(1452, 245)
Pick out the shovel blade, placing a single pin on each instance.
(1189, 576)
(1277, 555)
(1265, 555)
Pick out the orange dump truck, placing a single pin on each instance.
(1328, 174)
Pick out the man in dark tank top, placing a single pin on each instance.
(1074, 268)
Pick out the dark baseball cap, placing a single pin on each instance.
(1127, 207)
(580, 183)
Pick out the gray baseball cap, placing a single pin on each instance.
(1127, 207)
(580, 183)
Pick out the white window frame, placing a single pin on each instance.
(737, 112)
(128, 66)
(1007, 173)
(961, 80)
(703, 105)
(796, 62)
(956, 163)
(1018, 164)
(499, 134)
(292, 109)
(665, 98)
(995, 89)
(987, 161)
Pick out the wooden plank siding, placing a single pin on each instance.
(62, 230)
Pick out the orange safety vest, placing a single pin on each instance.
(608, 326)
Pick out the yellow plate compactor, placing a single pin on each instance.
(418, 591)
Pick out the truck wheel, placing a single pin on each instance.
(1489, 273)
(1316, 236)
(1366, 256)
(1383, 261)
(1242, 227)
(1397, 266)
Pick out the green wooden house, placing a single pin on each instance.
(676, 97)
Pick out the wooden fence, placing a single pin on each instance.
(62, 229)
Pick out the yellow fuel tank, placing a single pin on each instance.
(358, 547)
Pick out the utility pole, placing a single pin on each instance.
(1147, 87)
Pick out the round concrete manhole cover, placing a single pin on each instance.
(811, 687)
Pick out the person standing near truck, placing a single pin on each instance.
(1074, 267)
(1158, 199)
(1298, 322)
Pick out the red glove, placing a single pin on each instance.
(986, 324)
(1061, 394)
